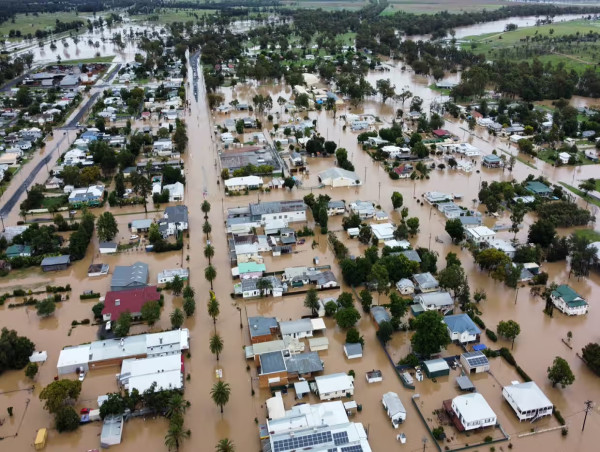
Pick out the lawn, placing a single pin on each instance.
(328, 5)
(436, 6)
(550, 156)
(581, 194)
(526, 44)
(30, 23)
(590, 234)
(51, 202)
(102, 59)
(169, 15)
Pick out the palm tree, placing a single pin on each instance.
(177, 318)
(216, 345)
(189, 292)
(176, 434)
(177, 405)
(210, 274)
(264, 284)
(213, 308)
(205, 208)
(220, 394)
(206, 228)
(209, 252)
(225, 445)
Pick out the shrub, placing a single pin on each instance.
(89, 296)
(491, 335)
(438, 433)
(409, 360)
(559, 418)
(522, 373)
(488, 439)
(507, 355)
(478, 321)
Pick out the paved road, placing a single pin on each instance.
(83, 110)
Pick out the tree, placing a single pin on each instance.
(60, 393)
(542, 233)
(516, 217)
(398, 306)
(509, 329)
(220, 393)
(46, 307)
(97, 310)
(311, 301)
(123, 324)
(385, 331)
(176, 405)
(107, 227)
(413, 225)
(119, 183)
(583, 255)
(455, 230)
(226, 445)
(587, 186)
(176, 318)
(289, 182)
(366, 300)
(591, 356)
(347, 317)
(453, 278)
(331, 308)
(205, 207)
(216, 345)
(345, 300)
(397, 200)
(560, 373)
(206, 228)
(354, 337)
(213, 308)
(151, 312)
(31, 370)
(176, 434)
(264, 285)
(142, 186)
(386, 89)
(177, 285)
(380, 277)
(188, 291)
(14, 350)
(66, 419)
(189, 306)
(114, 405)
(431, 334)
(403, 96)
(210, 274)
(89, 175)
(209, 252)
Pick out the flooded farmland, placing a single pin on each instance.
(535, 348)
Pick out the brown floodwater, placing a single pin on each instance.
(535, 348)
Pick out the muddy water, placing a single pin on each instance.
(535, 348)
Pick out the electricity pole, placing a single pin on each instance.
(588, 408)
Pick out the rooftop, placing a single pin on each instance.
(460, 323)
(527, 396)
(261, 326)
(304, 363)
(334, 382)
(569, 296)
(272, 362)
(473, 407)
(132, 300)
(295, 326)
(277, 207)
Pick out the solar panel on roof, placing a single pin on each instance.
(352, 449)
(340, 438)
(302, 441)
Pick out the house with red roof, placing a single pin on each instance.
(132, 300)
(441, 133)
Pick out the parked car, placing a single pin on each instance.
(81, 376)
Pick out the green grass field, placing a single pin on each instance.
(102, 59)
(523, 45)
(30, 24)
(328, 5)
(169, 15)
(591, 235)
(435, 6)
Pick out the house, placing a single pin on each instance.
(107, 247)
(336, 208)
(176, 191)
(334, 386)
(398, 152)
(461, 328)
(564, 157)
(491, 161)
(411, 255)
(262, 329)
(141, 374)
(397, 244)
(353, 351)
(55, 263)
(538, 189)
(436, 368)
(91, 196)
(435, 197)
(112, 430)
(440, 301)
(175, 220)
(296, 328)
(404, 171)
(504, 246)
(18, 251)
(474, 362)
(272, 369)
(441, 133)
(141, 225)
(568, 301)
(383, 231)
(394, 408)
(480, 235)
(248, 270)
(236, 184)
(405, 286)
(322, 427)
(470, 412)
(167, 276)
(374, 376)
(470, 221)
(364, 209)
(127, 277)
(97, 270)
(323, 280)
(318, 344)
(132, 300)
(425, 282)
(248, 252)
(303, 364)
(338, 177)
(380, 315)
(290, 211)
(249, 288)
(527, 400)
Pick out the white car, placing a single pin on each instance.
(133, 238)
(81, 376)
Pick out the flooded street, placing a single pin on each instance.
(534, 350)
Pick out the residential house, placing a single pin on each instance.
(404, 171)
(132, 300)
(55, 263)
(398, 152)
(91, 196)
(323, 280)
(527, 400)
(18, 251)
(143, 225)
(262, 329)
(290, 211)
(504, 246)
(127, 277)
(236, 184)
(539, 189)
(394, 408)
(272, 369)
(175, 220)
(107, 247)
(492, 161)
(568, 301)
(249, 287)
(435, 197)
(336, 208)
(248, 252)
(438, 301)
(462, 329)
(364, 209)
(405, 286)
(383, 231)
(176, 191)
(380, 315)
(411, 255)
(338, 177)
(167, 276)
(435, 368)
(353, 350)
(425, 282)
(300, 328)
(480, 235)
(474, 362)
(470, 412)
(334, 386)
(166, 372)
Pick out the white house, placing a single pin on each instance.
(383, 231)
(107, 247)
(564, 157)
(425, 282)
(334, 386)
(176, 191)
(364, 209)
(296, 328)
(503, 245)
(243, 183)
(395, 151)
(473, 411)
(480, 234)
(175, 219)
(339, 177)
(527, 400)
(568, 301)
(248, 252)
(394, 408)
(167, 276)
(289, 211)
(353, 350)
(439, 301)
(336, 208)
(461, 328)
(474, 362)
(405, 286)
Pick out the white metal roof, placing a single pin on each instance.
(393, 403)
(473, 407)
(528, 396)
(334, 382)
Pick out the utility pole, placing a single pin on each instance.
(379, 192)
(588, 408)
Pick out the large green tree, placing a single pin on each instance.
(311, 301)
(220, 393)
(455, 230)
(431, 334)
(560, 373)
(347, 317)
(591, 355)
(60, 393)
(509, 329)
(216, 345)
(151, 312)
(107, 226)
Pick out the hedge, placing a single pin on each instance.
(491, 335)
(89, 296)
(507, 355)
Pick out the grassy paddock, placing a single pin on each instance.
(102, 59)
(43, 21)
(436, 6)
